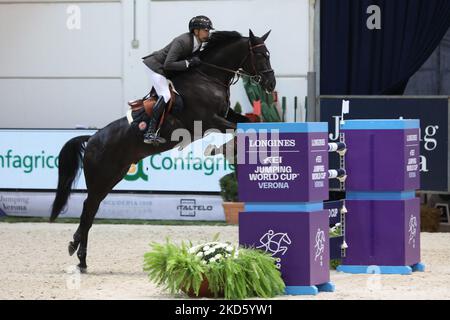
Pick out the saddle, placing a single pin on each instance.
(145, 105)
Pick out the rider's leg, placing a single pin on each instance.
(159, 84)
(151, 135)
(161, 87)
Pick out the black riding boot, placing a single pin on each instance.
(152, 135)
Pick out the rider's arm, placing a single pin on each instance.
(172, 62)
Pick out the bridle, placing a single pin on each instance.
(252, 61)
(256, 76)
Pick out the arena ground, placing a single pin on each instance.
(34, 264)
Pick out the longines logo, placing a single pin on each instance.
(189, 208)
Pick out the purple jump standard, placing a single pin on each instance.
(298, 240)
(282, 178)
(383, 218)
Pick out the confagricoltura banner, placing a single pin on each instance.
(29, 161)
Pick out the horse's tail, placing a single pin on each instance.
(69, 163)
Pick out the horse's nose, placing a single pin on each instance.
(272, 85)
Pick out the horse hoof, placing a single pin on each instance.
(82, 269)
(72, 248)
(161, 140)
(155, 141)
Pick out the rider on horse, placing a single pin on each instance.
(173, 58)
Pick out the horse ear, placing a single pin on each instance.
(264, 37)
(251, 35)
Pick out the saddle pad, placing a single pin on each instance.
(177, 106)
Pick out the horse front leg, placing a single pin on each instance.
(222, 124)
(235, 117)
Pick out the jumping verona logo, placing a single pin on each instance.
(319, 245)
(412, 230)
(272, 242)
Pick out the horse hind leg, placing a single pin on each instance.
(73, 245)
(96, 194)
(90, 208)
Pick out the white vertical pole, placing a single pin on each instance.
(311, 107)
(136, 31)
(311, 37)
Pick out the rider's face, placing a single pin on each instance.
(202, 34)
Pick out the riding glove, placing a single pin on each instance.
(194, 62)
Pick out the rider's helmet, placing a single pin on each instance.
(200, 22)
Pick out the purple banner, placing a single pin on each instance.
(286, 167)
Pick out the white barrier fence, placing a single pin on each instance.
(29, 175)
(118, 206)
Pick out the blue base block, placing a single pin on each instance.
(418, 267)
(309, 290)
(382, 269)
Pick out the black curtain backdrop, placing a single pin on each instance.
(358, 61)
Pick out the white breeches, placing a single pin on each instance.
(160, 84)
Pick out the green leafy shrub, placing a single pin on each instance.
(229, 187)
(232, 272)
(336, 230)
(334, 263)
(237, 108)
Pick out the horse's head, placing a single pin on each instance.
(228, 51)
(258, 63)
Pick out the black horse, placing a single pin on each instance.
(108, 154)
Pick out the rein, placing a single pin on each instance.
(240, 72)
(237, 73)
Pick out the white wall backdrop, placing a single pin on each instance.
(55, 76)
(287, 43)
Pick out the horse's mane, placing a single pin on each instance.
(220, 38)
